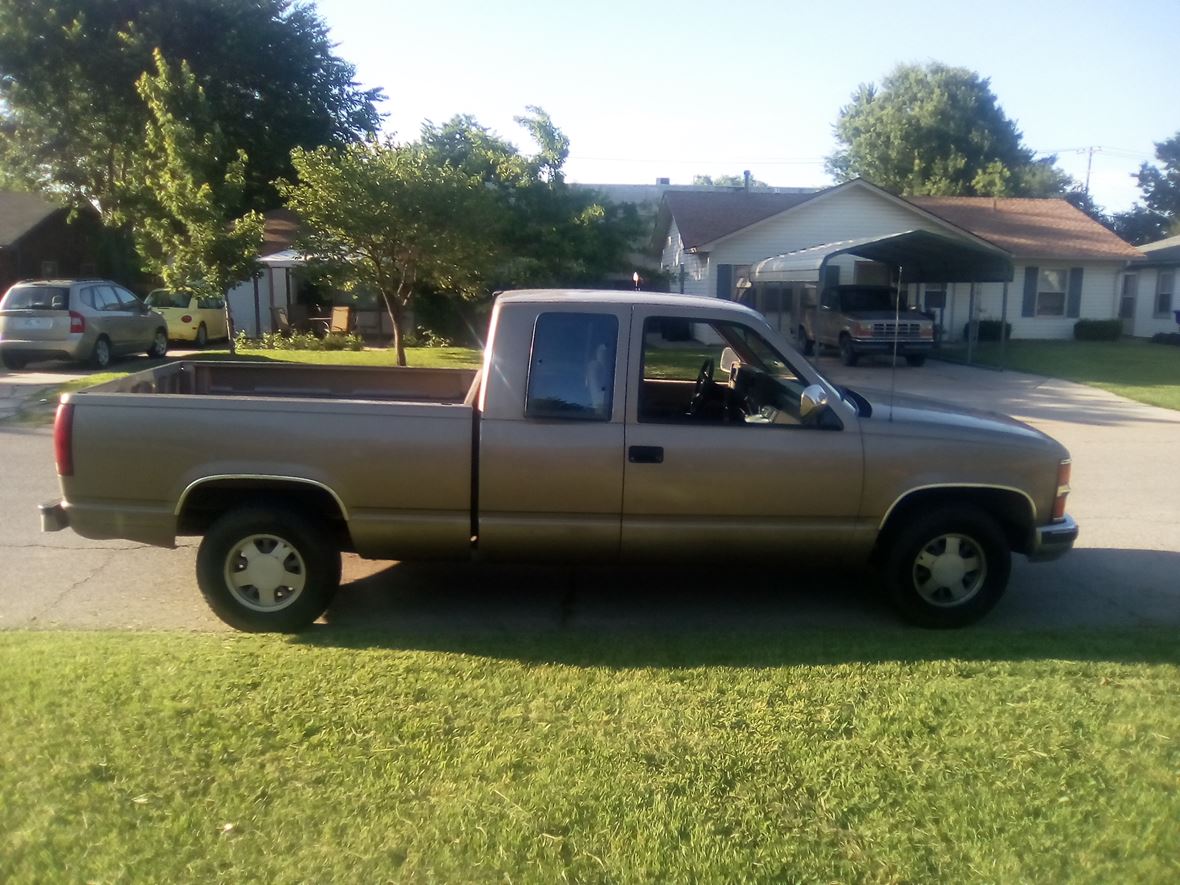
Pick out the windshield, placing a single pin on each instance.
(867, 299)
(36, 298)
(164, 298)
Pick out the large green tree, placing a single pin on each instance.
(71, 119)
(182, 192)
(388, 218)
(936, 129)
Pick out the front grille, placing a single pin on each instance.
(904, 330)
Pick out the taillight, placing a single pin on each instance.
(77, 322)
(63, 439)
(186, 319)
(1063, 474)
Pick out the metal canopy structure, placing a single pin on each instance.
(926, 257)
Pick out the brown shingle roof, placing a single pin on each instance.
(1031, 228)
(1162, 251)
(20, 213)
(279, 231)
(704, 216)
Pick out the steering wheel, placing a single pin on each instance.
(704, 381)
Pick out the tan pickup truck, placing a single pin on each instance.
(602, 427)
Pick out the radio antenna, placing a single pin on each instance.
(896, 327)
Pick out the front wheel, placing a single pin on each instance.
(807, 343)
(262, 569)
(159, 344)
(848, 354)
(948, 568)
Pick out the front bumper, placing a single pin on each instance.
(54, 517)
(1053, 540)
(885, 345)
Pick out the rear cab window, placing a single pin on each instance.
(36, 298)
(572, 367)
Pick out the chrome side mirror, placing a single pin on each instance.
(728, 358)
(812, 401)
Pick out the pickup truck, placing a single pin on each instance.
(603, 427)
(861, 319)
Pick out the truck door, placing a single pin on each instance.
(706, 481)
(551, 434)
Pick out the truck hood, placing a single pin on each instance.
(921, 413)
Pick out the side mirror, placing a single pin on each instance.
(812, 401)
(729, 359)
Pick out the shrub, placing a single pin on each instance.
(300, 341)
(1166, 338)
(989, 330)
(1098, 330)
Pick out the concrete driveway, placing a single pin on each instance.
(1124, 571)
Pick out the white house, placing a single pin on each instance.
(1065, 266)
(1149, 291)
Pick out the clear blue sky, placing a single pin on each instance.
(675, 89)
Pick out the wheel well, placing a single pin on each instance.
(1011, 510)
(208, 501)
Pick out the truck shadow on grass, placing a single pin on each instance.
(745, 617)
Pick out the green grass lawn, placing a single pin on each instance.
(1137, 369)
(882, 757)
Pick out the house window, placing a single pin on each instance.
(48, 269)
(1164, 287)
(1051, 287)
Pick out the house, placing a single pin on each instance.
(1149, 301)
(38, 239)
(1039, 264)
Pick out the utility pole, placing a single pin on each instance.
(1089, 162)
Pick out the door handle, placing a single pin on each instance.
(646, 454)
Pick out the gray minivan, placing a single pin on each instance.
(84, 320)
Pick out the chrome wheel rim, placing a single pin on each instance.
(949, 570)
(265, 573)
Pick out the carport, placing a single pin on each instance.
(919, 256)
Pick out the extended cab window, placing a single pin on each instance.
(715, 372)
(572, 367)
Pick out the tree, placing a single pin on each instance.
(1159, 215)
(183, 188)
(936, 129)
(71, 119)
(727, 181)
(389, 218)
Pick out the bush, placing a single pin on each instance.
(989, 330)
(299, 341)
(1098, 330)
(1166, 338)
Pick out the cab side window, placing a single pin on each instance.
(572, 367)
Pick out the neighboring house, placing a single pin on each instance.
(1149, 298)
(1064, 265)
(38, 239)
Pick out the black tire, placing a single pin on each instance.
(915, 359)
(159, 345)
(100, 356)
(808, 343)
(274, 606)
(954, 598)
(202, 336)
(12, 361)
(848, 355)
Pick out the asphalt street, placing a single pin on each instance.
(1125, 570)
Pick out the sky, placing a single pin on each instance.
(647, 90)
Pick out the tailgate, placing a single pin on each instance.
(34, 325)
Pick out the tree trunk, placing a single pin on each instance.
(229, 325)
(393, 306)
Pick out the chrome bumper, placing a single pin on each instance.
(1053, 540)
(53, 517)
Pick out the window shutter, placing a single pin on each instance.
(1030, 291)
(725, 281)
(1073, 302)
(831, 275)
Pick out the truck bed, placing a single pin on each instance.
(272, 379)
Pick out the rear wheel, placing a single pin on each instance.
(159, 344)
(100, 356)
(12, 361)
(848, 355)
(263, 569)
(202, 336)
(948, 568)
